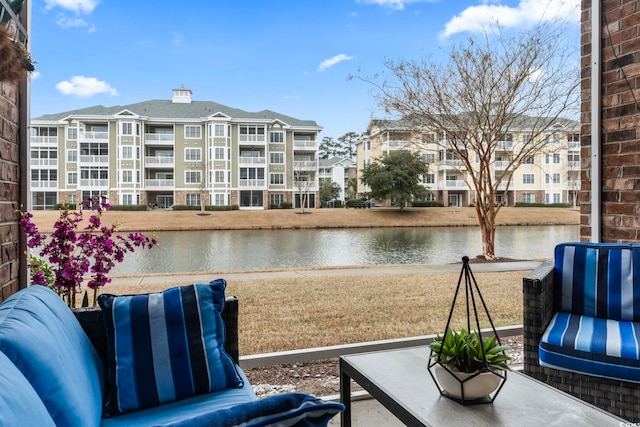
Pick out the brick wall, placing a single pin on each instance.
(620, 115)
(9, 189)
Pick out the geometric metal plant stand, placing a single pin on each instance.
(472, 294)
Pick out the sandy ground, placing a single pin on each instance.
(317, 218)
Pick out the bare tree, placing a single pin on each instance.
(490, 86)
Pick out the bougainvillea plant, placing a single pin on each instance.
(70, 253)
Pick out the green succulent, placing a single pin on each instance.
(463, 352)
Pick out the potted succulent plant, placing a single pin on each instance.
(467, 365)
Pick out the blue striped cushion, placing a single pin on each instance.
(601, 347)
(598, 280)
(166, 346)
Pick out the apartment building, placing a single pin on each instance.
(552, 176)
(338, 170)
(173, 152)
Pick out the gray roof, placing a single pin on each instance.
(166, 109)
(332, 161)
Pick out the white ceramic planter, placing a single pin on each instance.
(480, 386)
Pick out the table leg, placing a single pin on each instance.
(345, 397)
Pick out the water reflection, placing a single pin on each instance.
(231, 250)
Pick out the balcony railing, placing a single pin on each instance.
(94, 159)
(43, 140)
(252, 160)
(303, 144)
(44, 162)
(252, 183)
(252, 138)
(450, 164)
(93, 136)
(501, 165)
(504, 146)
(94, 183)
(159, 183)
(159, 138)
(304, 185)
(151, 161)
(457, 184)
(395, 145)
(573, 165)
(307, 165)
(44, 184)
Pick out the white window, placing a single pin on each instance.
(126, 176)
(276, 178)
(192, 131)
(429, 178)
(556, 178)
(276, 157)
(219, 153)
(528, 178)
(193, 199)
(219, 199)
(126, 128)
(219, 176)
(71, 199)
(529, 160)
(276, 199)
(276, 137)
(126, 199)
(429, 158)
(529, 198)
(251, 133)
(556, 198)
(192, 177)
(127, 152)
(193, 154)
(72, 133)
(72, 178)
(219, 130)
(72, 156)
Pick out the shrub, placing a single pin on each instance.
(542, 205)
(128, 208)
(427, 203)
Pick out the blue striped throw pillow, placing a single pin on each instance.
(166, 346)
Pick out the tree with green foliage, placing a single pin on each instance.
(329, 190)
(396, 176)
(344, 147)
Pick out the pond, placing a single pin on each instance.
(234, 250)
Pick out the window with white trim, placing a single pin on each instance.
(126, 128)
(126, 176)
(126, 199)
(529, 198)
(528, 178)
(218, 153)
(529, 160)
(219, 130)
(72, 156)
(72, 133)
(192, 131)
(219, 177)
(193, 199)
(219, 199)
(192, 177)
(276, 178)
(126, 152)
(276, 157)
(72, 178)
(276, 199)
(429, 178)
(192, 154)
(276, 137)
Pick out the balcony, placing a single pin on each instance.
(450, 164)
(44, 162)
(251, 139)
(248, 161)
(159, 162)
(573, 165)
(304, 186)
(305, 165)
(43, 140)
(94, 183)
(159, 184)
(504, 146)
(304, 145)
(457, 184)
(252, 183)
(44, 184)
(501, 165)
(94, 160)
(395, 145)
(159, 138)
(93, 136)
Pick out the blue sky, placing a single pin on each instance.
(289, 56)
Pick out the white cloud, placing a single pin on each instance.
(35, 75)
(66, 22)
(393, 4)
(328, 63)
(77, 6)
(82, 86)
(528, 12)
